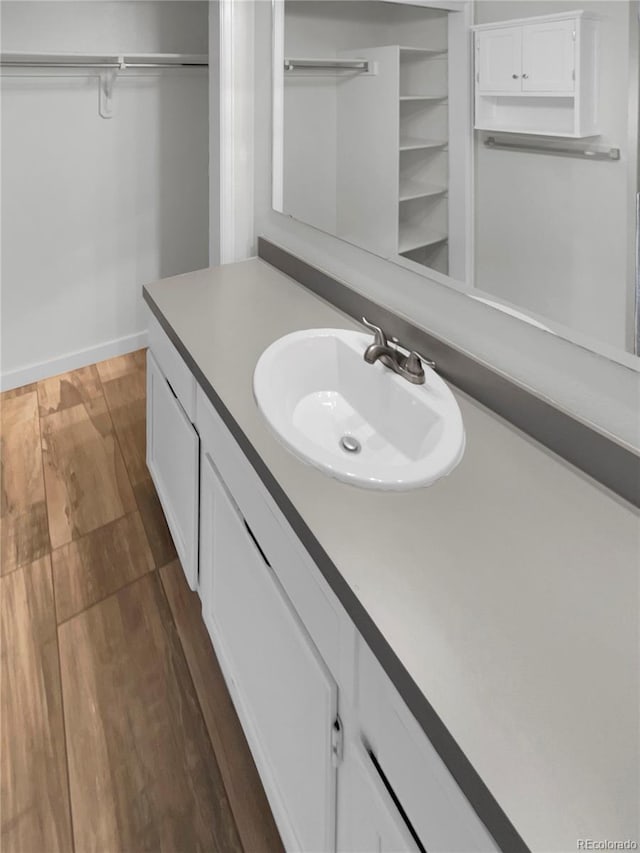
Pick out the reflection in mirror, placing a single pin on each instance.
(371, 138)
(491, 145)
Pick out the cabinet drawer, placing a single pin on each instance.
(173, 462)
(172, 365)
(439, 812)
(298, 574)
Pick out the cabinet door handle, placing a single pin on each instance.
(525, 76)
(515, 76)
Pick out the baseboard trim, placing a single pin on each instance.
(72, 361)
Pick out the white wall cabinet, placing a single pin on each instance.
(173, 461)
(368, 779)
(537, 75)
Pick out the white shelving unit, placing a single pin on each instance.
(423, 157)
(395, 125)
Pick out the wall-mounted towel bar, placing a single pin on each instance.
(588, 152)
(106, 66)
(328, 64)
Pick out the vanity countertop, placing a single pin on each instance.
(508, 591)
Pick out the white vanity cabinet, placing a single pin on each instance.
(310, 694)
(254, 587)
(282, 689)
(537, 75)
(345, 765)
(173, 461)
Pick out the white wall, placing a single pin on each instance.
(589, 385)
(93, 208)
(309, 143)
(551, 232)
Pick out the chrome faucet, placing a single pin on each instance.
(408, 366)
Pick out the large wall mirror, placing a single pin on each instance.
(491, 145)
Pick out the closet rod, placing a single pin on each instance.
(119, 61)
(328, 64)
(103, 65)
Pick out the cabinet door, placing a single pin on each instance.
(284, 695)
(499, 60)
(172, 459)
(548, 52)
(368, 818)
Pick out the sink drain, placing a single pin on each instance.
(350, 444)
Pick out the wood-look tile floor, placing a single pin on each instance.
(117, 730)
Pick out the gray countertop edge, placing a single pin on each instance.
(470, 782)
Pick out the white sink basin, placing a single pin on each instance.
(318, 394)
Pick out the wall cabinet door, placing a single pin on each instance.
(499, 60)
(283, 692)
(173, 461)
(368, 818)
(548, 51)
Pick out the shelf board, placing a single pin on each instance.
(412, 237)
(412, 143)
(417, 52)
(569, 96)
(530, 131)
(423, 97)
(414, 189)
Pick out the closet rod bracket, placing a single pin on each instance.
(106, 86)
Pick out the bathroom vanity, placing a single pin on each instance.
(422, 670)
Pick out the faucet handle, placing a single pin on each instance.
(428, 361)
(413, 364)
(414, 354)
(381, 338)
